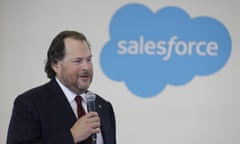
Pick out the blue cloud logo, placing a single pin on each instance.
(148, 51)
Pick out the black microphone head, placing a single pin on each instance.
(90, 96)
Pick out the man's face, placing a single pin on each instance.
(75, 71)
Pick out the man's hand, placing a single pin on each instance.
(85, 126)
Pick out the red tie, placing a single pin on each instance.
(81, 112)
(80, 109)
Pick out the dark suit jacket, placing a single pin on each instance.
(44, 116)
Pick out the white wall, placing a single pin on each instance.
(206, 110)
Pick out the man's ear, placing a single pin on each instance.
(55, 67)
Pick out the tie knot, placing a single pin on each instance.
(78, 99)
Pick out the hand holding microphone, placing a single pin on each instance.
(89, 124)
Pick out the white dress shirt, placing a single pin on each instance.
(71, 99)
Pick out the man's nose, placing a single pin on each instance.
(85, 65)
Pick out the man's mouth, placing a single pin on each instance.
(84, 76)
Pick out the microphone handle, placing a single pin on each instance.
(91, 108)
(94, 138)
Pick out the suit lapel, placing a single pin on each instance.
(100, 109)
(61, 105)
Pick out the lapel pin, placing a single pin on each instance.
(100, 106)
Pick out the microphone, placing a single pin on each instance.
(90, 96)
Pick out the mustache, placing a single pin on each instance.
(85, 73)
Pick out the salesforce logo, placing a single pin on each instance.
(150, 50)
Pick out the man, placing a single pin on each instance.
(48, 114)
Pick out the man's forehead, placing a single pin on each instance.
(70, 40)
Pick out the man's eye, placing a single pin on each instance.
(77, 61)
(89, 60)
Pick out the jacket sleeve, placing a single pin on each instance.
(25, 126)
(114, 141)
